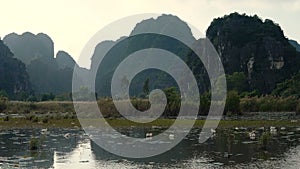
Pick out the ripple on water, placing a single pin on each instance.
(222, 151)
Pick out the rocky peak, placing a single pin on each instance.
(256, 47)
(64, 60)
(28, 46)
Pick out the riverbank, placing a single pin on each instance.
(268, 104)
(23, 123)
(61, 114)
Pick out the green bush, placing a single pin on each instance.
(3, 103)
(249, 104)
(269, 104)
(204, 103)
(47, 97)
(32, 98)
(237, 81)
(233, 103)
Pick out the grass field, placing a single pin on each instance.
(61, 114)
(23, 123)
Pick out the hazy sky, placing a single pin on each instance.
(71, 23)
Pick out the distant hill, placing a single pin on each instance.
(257, 48)
(64, 60)
(14, 79)
(256, 56)
(251, 49)
(295, 44)
(47, 73)
(28, 47)
(166, 24)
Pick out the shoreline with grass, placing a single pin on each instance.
(23, 123)
(61, 114)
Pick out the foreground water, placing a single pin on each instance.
(228, 148)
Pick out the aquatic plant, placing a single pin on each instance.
(33, 144)
(264, 140)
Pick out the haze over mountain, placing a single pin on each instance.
(167, 25)
(64, 60)
(28, 47)
(47, 74)
(256, 55)
(256, 50)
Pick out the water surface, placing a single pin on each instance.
(228, 148)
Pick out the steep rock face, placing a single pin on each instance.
(37, 52)
(13, 76)
(47, 74)
(259, 49)
(165, 24)
(64, 60)
(28, 47)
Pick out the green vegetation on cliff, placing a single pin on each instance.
(14, 80)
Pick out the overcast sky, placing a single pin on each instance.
(71, 23)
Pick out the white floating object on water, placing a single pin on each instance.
(252, 135)
(273, 129)
(213, 133)
(282, 128)
(261, 128)
(44, 131)
(171, 136)
(67, 136)
(148, 135)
